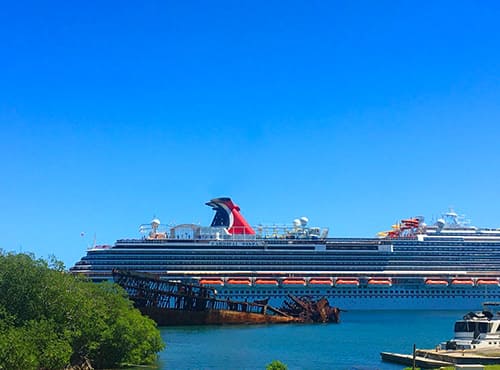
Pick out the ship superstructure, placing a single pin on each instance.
(448, 264)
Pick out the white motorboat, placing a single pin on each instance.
(477, 330)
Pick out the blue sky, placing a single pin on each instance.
(355, 114)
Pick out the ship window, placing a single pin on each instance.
(471, 327)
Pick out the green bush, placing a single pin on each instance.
(276, 365)
(50, 319)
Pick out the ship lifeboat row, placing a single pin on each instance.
(293, 282)
(344, 282)
(462, 282)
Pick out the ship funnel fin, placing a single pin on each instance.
(227, 214)
(221, 217)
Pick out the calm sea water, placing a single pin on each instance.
(355, 343)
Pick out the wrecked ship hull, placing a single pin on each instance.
(176, 303)
(173, 317)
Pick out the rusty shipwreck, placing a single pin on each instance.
(175, 303)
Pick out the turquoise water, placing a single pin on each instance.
(355, 343)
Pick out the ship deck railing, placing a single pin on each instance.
(254, 238)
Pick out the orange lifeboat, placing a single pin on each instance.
(266, 282)
(321, 281)
(347, 282)
(380, 282)
(462, 282)
(294, 281)
(487, 282)
(211, 281)
(436, 282)
(239, 281)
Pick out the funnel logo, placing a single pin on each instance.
(227, 214)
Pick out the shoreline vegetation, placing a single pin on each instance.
(50, 319)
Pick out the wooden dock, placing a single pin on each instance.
(429, 359)
(422, 362)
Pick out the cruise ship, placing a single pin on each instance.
(445, 265)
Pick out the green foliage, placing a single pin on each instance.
(276, 365)
(52, 349)
(15, 351)
(50, 319)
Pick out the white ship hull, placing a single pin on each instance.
(362, 299)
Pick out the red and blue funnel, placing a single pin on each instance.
(227, 214)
